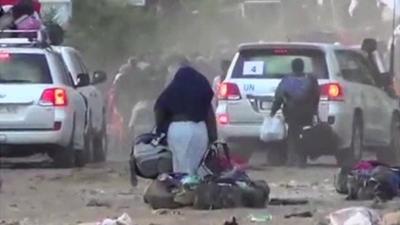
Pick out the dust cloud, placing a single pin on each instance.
(207, 32)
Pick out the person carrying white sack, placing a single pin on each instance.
(299, 95)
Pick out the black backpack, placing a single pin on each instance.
(318, 139)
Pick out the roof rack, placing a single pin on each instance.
(38, 40)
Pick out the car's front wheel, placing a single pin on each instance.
(349, 156)
(391, 155)
(100, 147)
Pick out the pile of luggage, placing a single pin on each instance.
(368, 180)
(218, 184)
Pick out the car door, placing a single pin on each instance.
(77, 103)
(75, 68)
(363, 92)
(96, 102)
(383, 104)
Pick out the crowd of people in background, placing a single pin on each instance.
(141, 80)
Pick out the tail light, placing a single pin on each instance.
(223, 119)
(228, 91)
(332, 92)
(54, 97)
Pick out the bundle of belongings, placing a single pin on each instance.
(218, 183)
(368, 180)
(24, 19)
(20, 15)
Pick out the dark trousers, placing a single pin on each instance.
(296, 154)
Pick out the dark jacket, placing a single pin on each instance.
(303, 113)
(188, 97)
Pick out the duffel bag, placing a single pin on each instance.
(160, 193)
(255, 194)
(150, 157)
(211, 195)
(318, 139)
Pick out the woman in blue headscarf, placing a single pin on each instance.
(184, 112)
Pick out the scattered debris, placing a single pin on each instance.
(124, 193)
(233, 222)
(124, 219)
(163, 212)
(355, 216)
(3, 222)
(93, 191)
(287, 201)
(260, 218)
(33, 188)
(56, 177)
(98, 203)
(295, 184)
(306, 214)
(391, 218)
(40, 177)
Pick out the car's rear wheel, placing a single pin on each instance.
(277, 155)
(64, 157)
(348, 157)
(100, 147)
(391, 155)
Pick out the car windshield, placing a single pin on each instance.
(24, 68)
(276, 63)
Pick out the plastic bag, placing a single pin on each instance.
(273, 129)
(355, 216)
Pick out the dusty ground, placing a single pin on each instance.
(35, 194)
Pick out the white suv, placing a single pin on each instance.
(353, 99)
(41, 109)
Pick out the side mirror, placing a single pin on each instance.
(99, 77)
(369, 45)
(83, 80)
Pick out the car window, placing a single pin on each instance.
(354, 67)
(24, 68)
(67, 77)
(77, 66)
(277, 63)
(81, 63)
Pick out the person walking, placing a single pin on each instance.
(299, 95)
(184, 112)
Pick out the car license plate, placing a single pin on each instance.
(266, 105)
(8, 109)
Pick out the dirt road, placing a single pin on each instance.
(34, 193)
